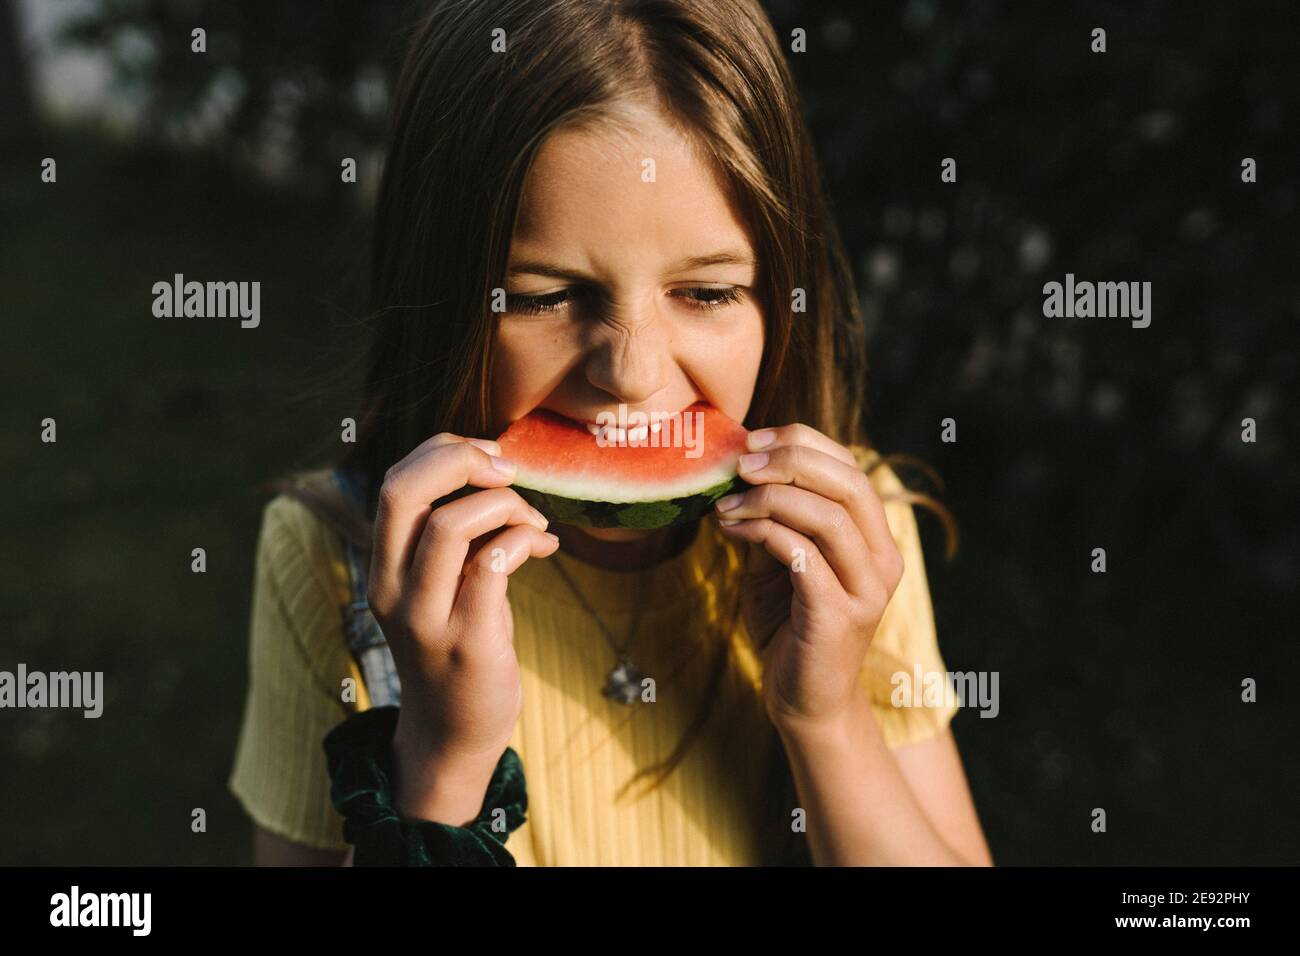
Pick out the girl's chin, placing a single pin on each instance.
(614, 534)
(624, 549)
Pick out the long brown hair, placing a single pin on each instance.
(467, 123)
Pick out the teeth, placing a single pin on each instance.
(614, 434)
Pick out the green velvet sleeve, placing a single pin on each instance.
(359, 757)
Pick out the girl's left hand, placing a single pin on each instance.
(815, 591)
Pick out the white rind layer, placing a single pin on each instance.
(627, 492)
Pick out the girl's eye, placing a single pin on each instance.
(713, 298)
(703, 298)
(536, 304)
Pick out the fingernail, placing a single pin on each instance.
(729, 502)
(487, 444)
(553, 537)
(727, 522)
(753, 462)
(761, 439)
(540, 517)
(503, 464)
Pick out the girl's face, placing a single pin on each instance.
(629, 282)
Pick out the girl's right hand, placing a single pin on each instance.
(439, 596)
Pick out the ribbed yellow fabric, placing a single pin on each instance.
(578, 748)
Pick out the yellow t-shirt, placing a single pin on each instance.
(718, 805)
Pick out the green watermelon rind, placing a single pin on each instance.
(644, 515)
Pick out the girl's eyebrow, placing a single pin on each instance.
(722, 257)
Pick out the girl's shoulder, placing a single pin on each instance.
(883, 478)
(314, 501)
(304, 530)
(895, 497)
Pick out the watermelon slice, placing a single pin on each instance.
(641, 480)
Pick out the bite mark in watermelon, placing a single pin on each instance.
(566, 474)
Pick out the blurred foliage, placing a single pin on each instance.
(1119, 690)
(289, 85)
(165, 430)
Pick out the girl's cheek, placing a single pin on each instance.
(725, 361)
(538, 353)
(529, 359)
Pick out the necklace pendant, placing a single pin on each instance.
(624, 683)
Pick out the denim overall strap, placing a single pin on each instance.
(365, 639)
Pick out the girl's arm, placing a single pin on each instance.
(869, 806)
(823, 570)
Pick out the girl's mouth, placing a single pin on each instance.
(619, 434)
(616, 435)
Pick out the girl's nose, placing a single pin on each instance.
(629, 358)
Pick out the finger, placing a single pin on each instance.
(407, 497)
(815, 581)
(828, 476)
(442, 550)
(485, 576)
(826, 523)
(758, 561)
(799, 434)
(446, 438)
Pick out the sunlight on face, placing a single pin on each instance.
(604, 305)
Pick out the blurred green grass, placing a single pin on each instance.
(165, 429)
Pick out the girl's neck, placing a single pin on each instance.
(654, 547)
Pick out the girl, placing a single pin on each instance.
(588, 203)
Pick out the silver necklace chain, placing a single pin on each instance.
(623, 683)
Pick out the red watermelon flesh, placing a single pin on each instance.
(662, 479)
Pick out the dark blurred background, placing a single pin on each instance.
(1118, 690)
